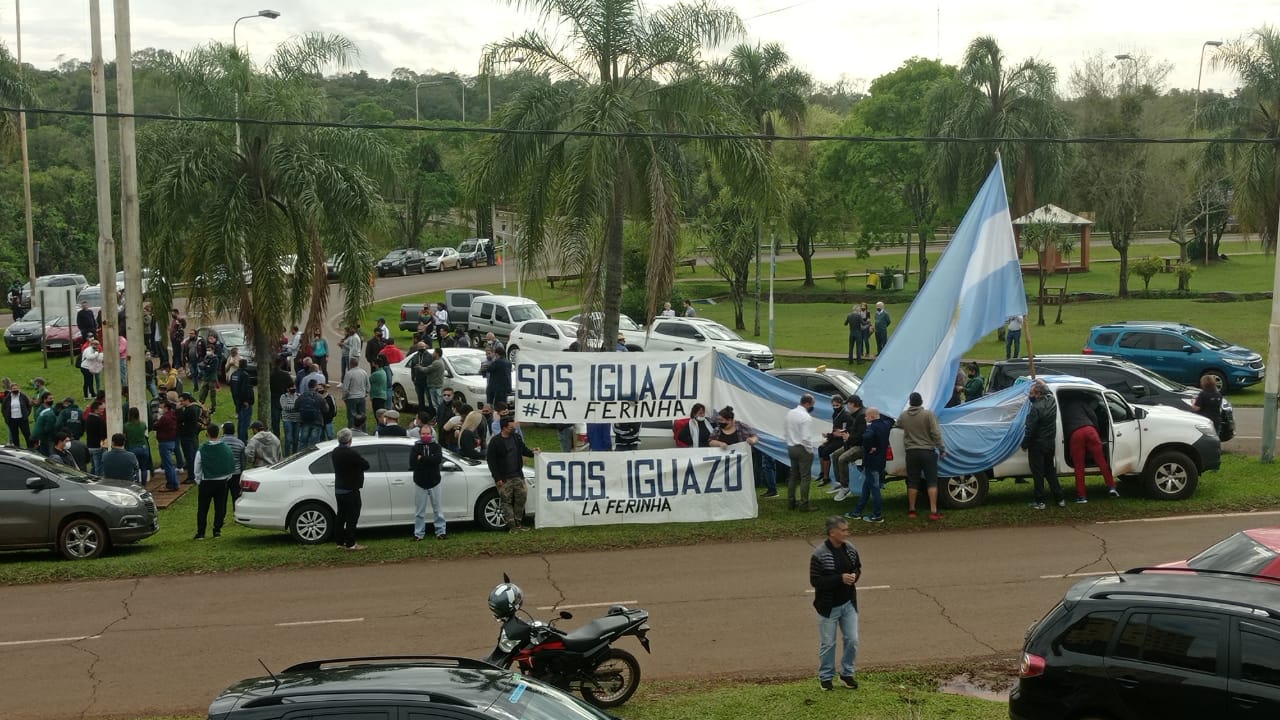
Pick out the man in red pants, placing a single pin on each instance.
(1080, 425)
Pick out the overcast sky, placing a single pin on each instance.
(855, 39)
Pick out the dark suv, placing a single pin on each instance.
(1155, 644)
(426, 687)
(1135, 383)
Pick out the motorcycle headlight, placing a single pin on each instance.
(506, 644)
(118, 498)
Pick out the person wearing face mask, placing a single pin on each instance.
(424, 461)
(1040, 441)
(801, 449)
(697, 430)
(61, 452)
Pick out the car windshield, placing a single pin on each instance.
(32, 316)
(1155, 379)
(62, 472)
(467, 246)
(60, 321)
(1207, 340)
(466, 363)
(1238, 553)
(520, 313)
(232, 337)
(435, 252)
(396, 254)
(716, 331)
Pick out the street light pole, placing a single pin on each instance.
(440, 82)
(268, 14)
(1195, 120)
(26, 164)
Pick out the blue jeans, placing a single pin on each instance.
(844, 616)
(143, 453)
(1012, 341)
(290, 437)
(309, 435)
(244, 416)
(96, 455)
(870, 489)
(328, 431)
(420, 498)
(435, 396)
(770, 473)
(167, 448)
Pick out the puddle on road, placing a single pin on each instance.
(966, 685)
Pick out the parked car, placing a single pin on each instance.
(92, 295)
(696, 333)
(457, 302)
(541, 335)
(1135, 383)
(1179, 352)
(402, 262)
(473, 252)
(62, 336)
(821, 380)
(147, 274)
(296, 495)
(45, 504)
(1154, 645)
(440, 259)
(1167, 449)
(418, 687)
(461, 372)
(1252, 552)
(25, 334)
(55, 289)
(232, 335)
(499, 314)
(628, 328)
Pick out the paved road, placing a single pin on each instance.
(162, 645)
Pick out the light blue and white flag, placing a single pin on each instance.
(975, 287)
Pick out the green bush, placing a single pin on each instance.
(1184, 271)
(1146, 268)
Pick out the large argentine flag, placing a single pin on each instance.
(975, 287)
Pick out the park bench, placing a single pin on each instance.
(1054, 296)
(553, 279)
(691, 262)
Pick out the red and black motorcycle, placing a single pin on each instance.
(581, 660)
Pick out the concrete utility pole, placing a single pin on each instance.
(129, 211)
(106, 243)
(1271, 385)
(26, 163)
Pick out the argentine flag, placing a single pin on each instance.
(974, 288)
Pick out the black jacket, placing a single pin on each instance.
(281, 380)
(189, 419)
(826, 565)
(498, 383)
(857, 425)
(504, 456)
(1042, 424)
(241, 387)
(1077, 413)
(349, 467)
(424, 461)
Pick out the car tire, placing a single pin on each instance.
(1219, 379)
(962, 493)
(511, 354)
(612, 691)
(399, 400)
(404, 270)
(82, 538)
(488, 513)
(311, 523)
(1170, 475)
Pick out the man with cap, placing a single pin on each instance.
(389, 424)
(263, 448)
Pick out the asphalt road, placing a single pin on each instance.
(165, 645)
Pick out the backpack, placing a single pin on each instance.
(72, 424)
(330, 409)
(308, 409)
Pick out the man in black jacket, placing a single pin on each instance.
(506, 465)
(834, 570)
(855, 426)
(189, 421)
(17, 414)
(349, 468)
(497, 385)
(1040, 442)
(242, 383)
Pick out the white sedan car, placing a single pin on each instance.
(443, 258)
(461, 372)
(297, 496)
(541, 334)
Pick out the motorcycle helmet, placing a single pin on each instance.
(505, 599)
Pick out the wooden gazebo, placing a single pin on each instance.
(1071, 223)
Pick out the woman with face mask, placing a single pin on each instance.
(697, 431)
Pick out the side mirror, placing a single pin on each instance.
(1139, 390)
(566, 615)
(449, 467)
(699, 336)
(40, 483)
(1139, 412)
(1189, 349)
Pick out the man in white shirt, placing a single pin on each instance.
(667, 311)
(800, 448)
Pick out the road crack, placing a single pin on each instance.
(942, 610)
(1102, 552)
(94, 680)
(551, 579)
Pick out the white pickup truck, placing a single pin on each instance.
(1166, 448)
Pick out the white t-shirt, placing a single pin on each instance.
(15, 406)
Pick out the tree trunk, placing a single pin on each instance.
(262, 352)
(612, 300)
(924, 258)
(1124, 268)
(805, 248)
(1040, 294)
(1063, 301)
(1024, 184)
(319, 285)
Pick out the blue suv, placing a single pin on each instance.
(1178, 351)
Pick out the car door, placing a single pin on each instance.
(456, 480)
(1136, 347)
(1125, 448)
(400, 487)
(375, 498)
(1170, 665)
(1172, 358)
(24, 513)
(671, 336)
(534, 335)
(1253, 686)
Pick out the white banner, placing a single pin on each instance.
(654, 486)
(565, 387)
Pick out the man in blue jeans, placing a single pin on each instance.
(834, 570)
(1013, 338)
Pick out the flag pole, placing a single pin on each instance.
(1031, 356)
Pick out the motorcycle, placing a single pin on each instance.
(581, 660)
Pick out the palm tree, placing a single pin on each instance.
(1253, 112)
(269, 208)
(625, 75)
(991, 100)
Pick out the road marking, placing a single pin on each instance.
(860, 587)
(319, 622)
(1074, 575)
(1189, 517)
(587, 605)
(11, 643)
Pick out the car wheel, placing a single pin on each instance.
(613, 681)
(404, 269)
(511, 354)
(82, 538)
(1218, 379)
(489, 511)
(1170, 475)
(399, 401)
(960, 493)
(311, 523)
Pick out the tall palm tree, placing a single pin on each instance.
(626, 73)
(991, 100)
(765, 87)
(1253, 112)
(270, 208)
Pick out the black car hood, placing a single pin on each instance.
(26, 325)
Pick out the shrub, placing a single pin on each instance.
(842, 277)
(1146, 268)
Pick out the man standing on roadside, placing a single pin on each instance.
(17, 412)
(188, 432)
(882, 327)
(922, 439)
(506, 465)
(349, 468)
(1013, 337)
(241, 383)
(350, 346)
(834, 571)
(215, 464)
(497, 386)
(800, 448)
(424, 461)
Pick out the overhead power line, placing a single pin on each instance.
(463, 129)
